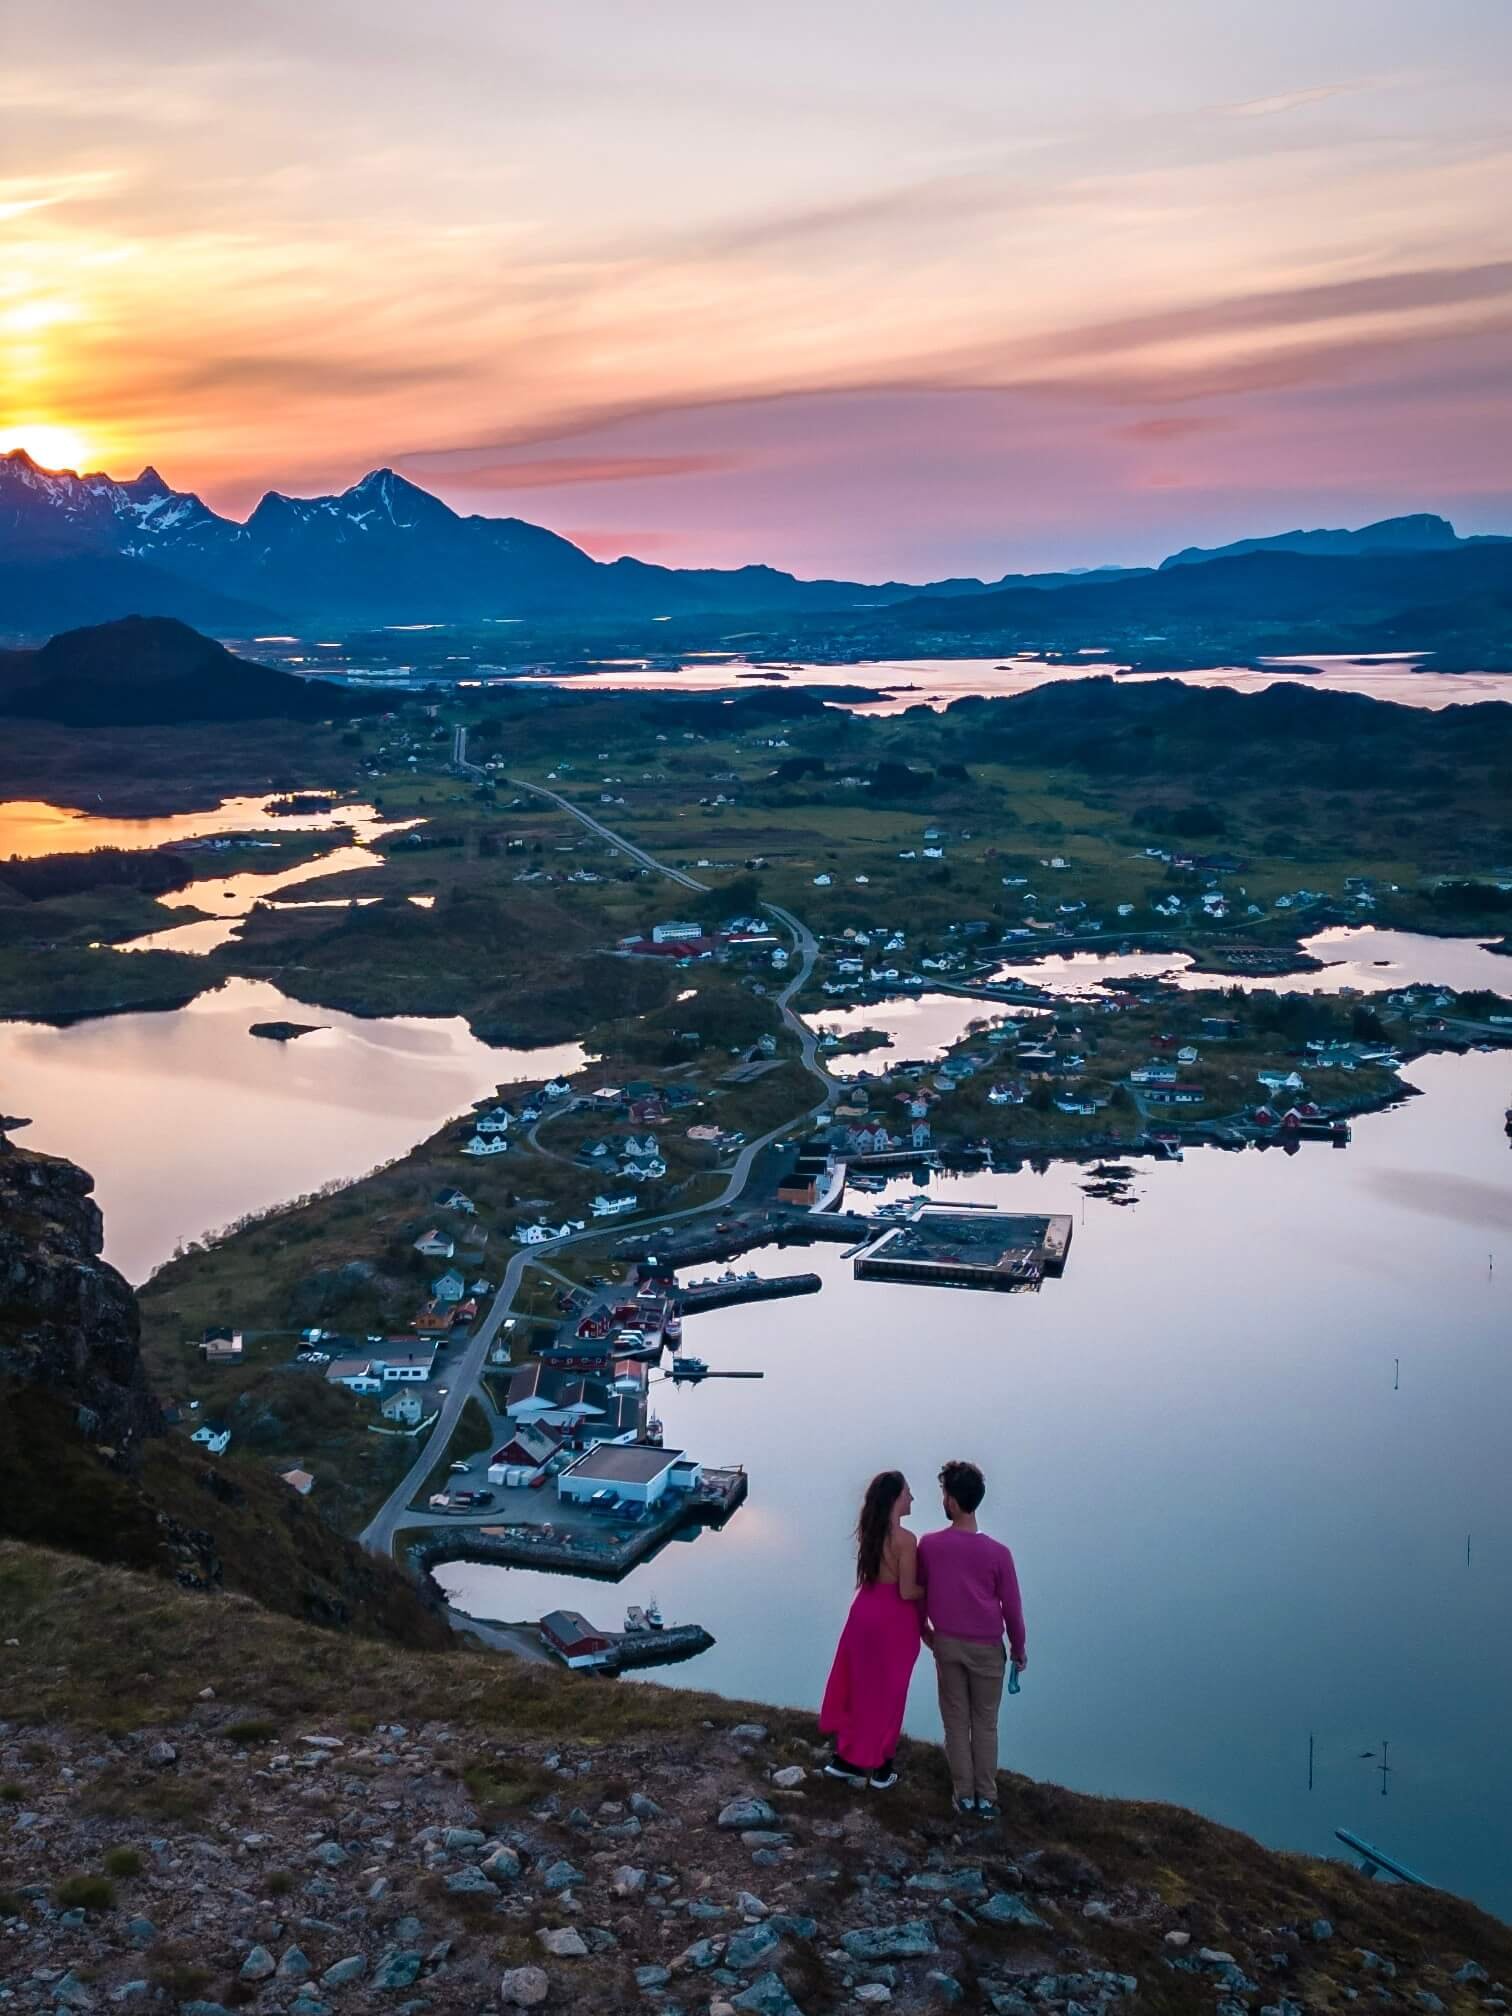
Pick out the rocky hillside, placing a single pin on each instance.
(85, 1462)
(205, 1806)
(68, 1322)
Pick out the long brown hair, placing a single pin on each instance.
(875, 1523)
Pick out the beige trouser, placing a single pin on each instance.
(971, 1675)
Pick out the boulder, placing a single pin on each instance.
(563, 1942)
(524, 1987)
(911, 1940)
(742, 1814)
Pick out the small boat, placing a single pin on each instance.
(636, 1619)
(653, 1615)
(689, 1368)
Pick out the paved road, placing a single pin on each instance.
(615, 839)
(379, 1532)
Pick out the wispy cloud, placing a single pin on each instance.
(1290, 101)
(552, 472)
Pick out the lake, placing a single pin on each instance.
(927, 1025)
(29, 827)
(187, 1122)
(1231, 1528)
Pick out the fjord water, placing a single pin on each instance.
(935, 682)
(1231, 1529)
(186, 1121)
(928, 1024)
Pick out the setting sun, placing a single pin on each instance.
(49, 446)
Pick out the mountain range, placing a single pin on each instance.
(86, 549)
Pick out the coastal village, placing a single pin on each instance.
(801, 1008)
(573, 1472)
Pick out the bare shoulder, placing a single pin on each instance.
(906, 1542)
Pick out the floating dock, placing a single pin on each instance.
(1007, 1251)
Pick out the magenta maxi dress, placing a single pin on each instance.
(868, 1683)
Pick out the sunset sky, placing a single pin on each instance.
(872, 289)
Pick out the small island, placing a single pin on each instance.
(285, 1032)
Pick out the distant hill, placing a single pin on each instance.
(150, 669)
(1270, 601)
(1420, 532)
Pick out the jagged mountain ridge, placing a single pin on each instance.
(387, 551)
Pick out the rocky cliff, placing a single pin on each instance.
(86, 1462)
(68, 1322)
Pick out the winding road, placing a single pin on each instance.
(615, 839)
(466, 1374)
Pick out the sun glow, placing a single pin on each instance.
(51, 447)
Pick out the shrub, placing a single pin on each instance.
(84, 1893)
(254, 1730)
(123, 1862)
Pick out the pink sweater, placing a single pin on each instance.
(970, 1588)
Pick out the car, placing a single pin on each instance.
(482, 1497)
(458, 1469)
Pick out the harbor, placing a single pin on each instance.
(964, 1248)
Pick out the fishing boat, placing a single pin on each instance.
(653, 1615)
(636, 1619)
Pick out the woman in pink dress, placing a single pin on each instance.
(868, 1683)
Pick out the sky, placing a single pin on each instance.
(854, 288)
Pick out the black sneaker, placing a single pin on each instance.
(987, 1809)
(848, 1774)
(966, 1806)
(884, 1779)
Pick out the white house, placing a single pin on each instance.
(556, 1088)
(822, 881)
(435, 1245)
(534, 1235)
(674, 932)
(486, 1144)
(213, 1436)
(448, 1287)
(612, 1207)
(417, 1364)
(405, 1408)
(356, 1374)
(496, 1122)
(640, 1472)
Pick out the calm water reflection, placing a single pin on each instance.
(1231, 1530)
(186, 1121)
(935, 682)
(29, 828)
(927, 1025)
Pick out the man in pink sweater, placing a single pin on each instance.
(971, 1598)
